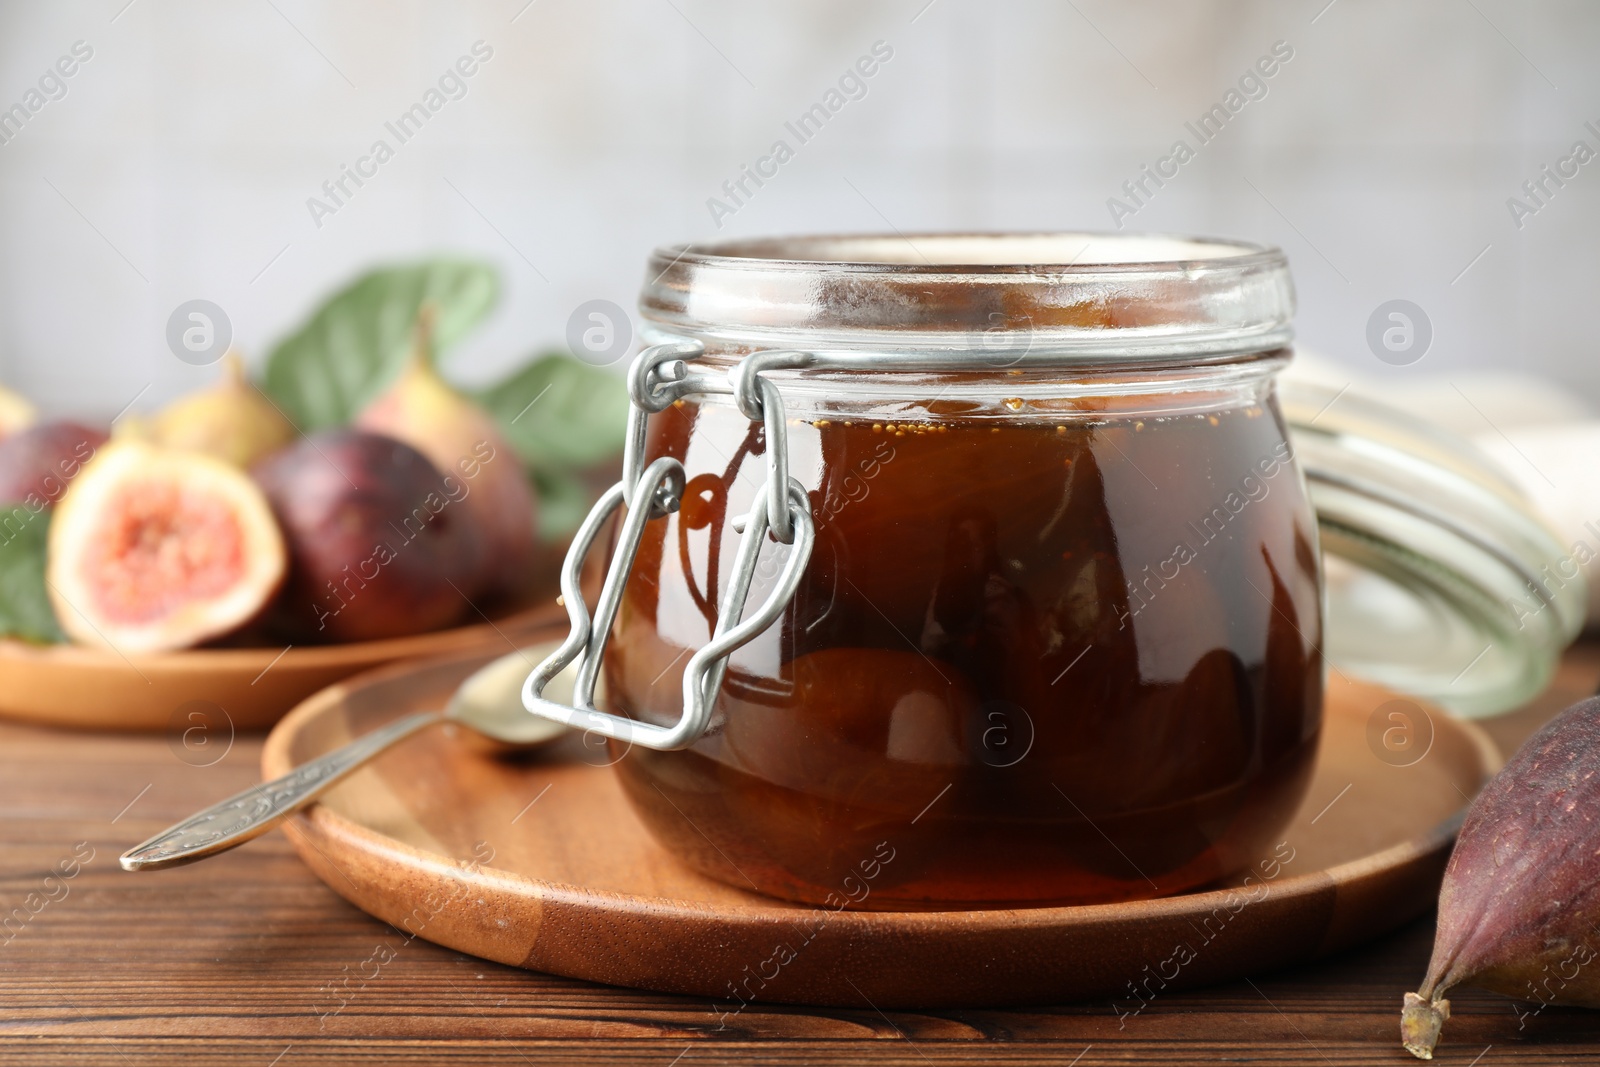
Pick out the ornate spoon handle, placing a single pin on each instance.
(259, 808)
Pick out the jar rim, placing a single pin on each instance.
(1038, 297)
(976, 251)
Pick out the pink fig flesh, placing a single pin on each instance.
(1520, 903)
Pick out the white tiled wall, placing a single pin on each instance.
(179, 162)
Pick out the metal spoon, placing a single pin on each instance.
(489, 702)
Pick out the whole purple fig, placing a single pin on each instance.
(37, 464)
(1519, 910)
(380, 544)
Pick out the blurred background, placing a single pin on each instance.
(178, 159)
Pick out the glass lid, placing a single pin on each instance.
(1058, 295)
(1441, 579)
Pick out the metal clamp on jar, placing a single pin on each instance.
(659, 377)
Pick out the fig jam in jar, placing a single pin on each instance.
(1058, 635)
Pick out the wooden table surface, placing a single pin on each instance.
(232, 961)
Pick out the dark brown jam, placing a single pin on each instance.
(1034, 658)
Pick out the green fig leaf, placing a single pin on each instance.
(564, 500)
(25, 609)
(558, 412)
(356, 342)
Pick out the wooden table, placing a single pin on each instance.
(227, 962)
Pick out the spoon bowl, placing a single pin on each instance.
(489, 703)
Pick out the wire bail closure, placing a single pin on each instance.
(658, 377)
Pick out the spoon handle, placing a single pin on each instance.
(258, 809)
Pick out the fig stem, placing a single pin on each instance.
(1421, 1020)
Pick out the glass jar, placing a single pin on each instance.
(1049, 626)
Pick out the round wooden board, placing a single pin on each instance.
(90, 688)
(569, 882)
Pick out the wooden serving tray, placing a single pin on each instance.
(227, 688)
(542, 864)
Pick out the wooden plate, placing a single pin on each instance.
(576, 887)
(69, 685)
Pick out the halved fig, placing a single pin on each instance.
(155, 549)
